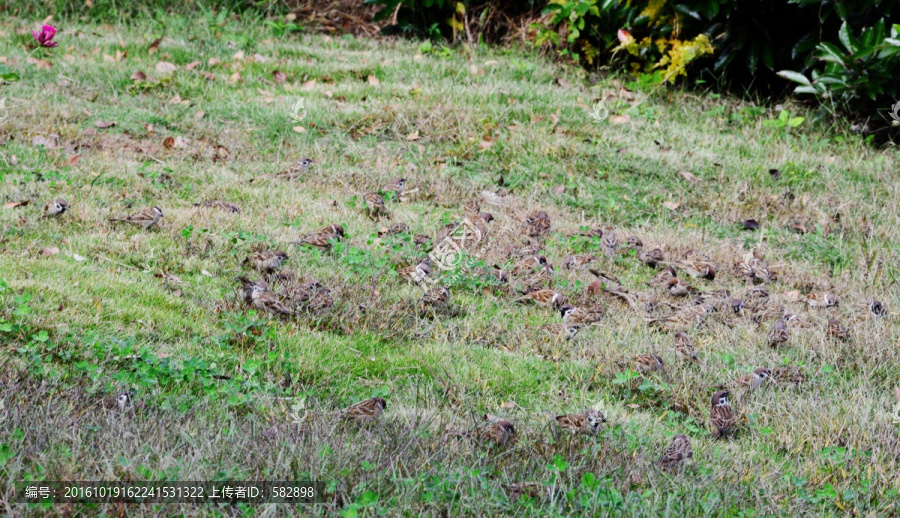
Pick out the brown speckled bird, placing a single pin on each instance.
(374, 205)
(587, 422)
(267, 261)
(55, 208)
(652, 256)
(677, 452)
(544, 297)
(837, 330)
(434, 298)
(778, 335)
(365, 412)
(223, 205)
(145, 218)
(498, 431)
(721, 416)
(536, 225)
(324, 238)
(574, 315)
(609, 243)
(684, 346)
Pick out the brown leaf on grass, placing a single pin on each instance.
(89, 132)
(169, 142)
(559, 189)
(279, 76)
(413, 136)
(164, 67)
(308, 85)
(553, 118)
(14, 204)
(181, 143)
(49, 251)
(234, 78)
(671, 205)
(619, 119)
(104, 124)
(238, 56)
(138, 76)
(536, 119)
(222, 152)
(373, 80)
(72, 160)
(154, 46)
(41, 64)
(192, 65)
(792, 296)
(209, 76)
(47, 142)
(148, 127)
(177, 292)
(199, 115)
(689, 176)
(299, 129)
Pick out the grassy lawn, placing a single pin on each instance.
(89, 308)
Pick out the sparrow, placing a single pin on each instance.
(248, 286)
(541, 279)
(322, 238)
(124, 401)
(592, 233)
(472, 207)
(395, 187)
(374, 204)
(365, 412)
(757, 297)
(788, 375)
(754, 269)
(536, 225)
(321, 301)
(610, 282)
(436, 297)
(55, 208)
(609, 242)
(678, 289)
(684, 346)
(877, 308)
(501, 274)
(227, 206)
(695, 268)
(822, 300)
(588, 422)
(753, 380)
(647, 363)
(300, 293)
(261, 299)
(498, 431)
(267, 261)
(573, 315)
(778, 335)
(652, 256)
(415, 272)
(689, 316)
(544, 297)
(564, 331)
(528, 264)
(578, 261)
(485, 217)
(663, 277)
(422, 241)
(145, 218)
(679, 450)
(720, 415)
(737, 306)
(295, 170)
(634, 243)
(535, 490)
(399, 228)
(837, 330)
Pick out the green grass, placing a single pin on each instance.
(211, 377)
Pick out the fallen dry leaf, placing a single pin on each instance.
(148, 127)
(413, 136)
(72, 160)
(689, 176)
(181, 143)
(671, 205)
(213, 62)
(164, 67)
(373, 80)
(104, 124)
(792, 296)
(209, 76)
(138, 76)
(239, 55)
(47, 142)
(168, 142)
(279, 76)
(199, 115)
(41, 64)
(309, 85)
(559, 189)
(485, 144)
(49, 251)
(177, 292)
(299, 129)
(234, 78)
(154, 46)
(222, 152)
(619, 119)
(259, 58)
(14, 204)
(536, 119)
(192, 65)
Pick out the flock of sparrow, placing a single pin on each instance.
(534, 277)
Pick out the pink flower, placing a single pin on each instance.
(45, 36)
(624, 37)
